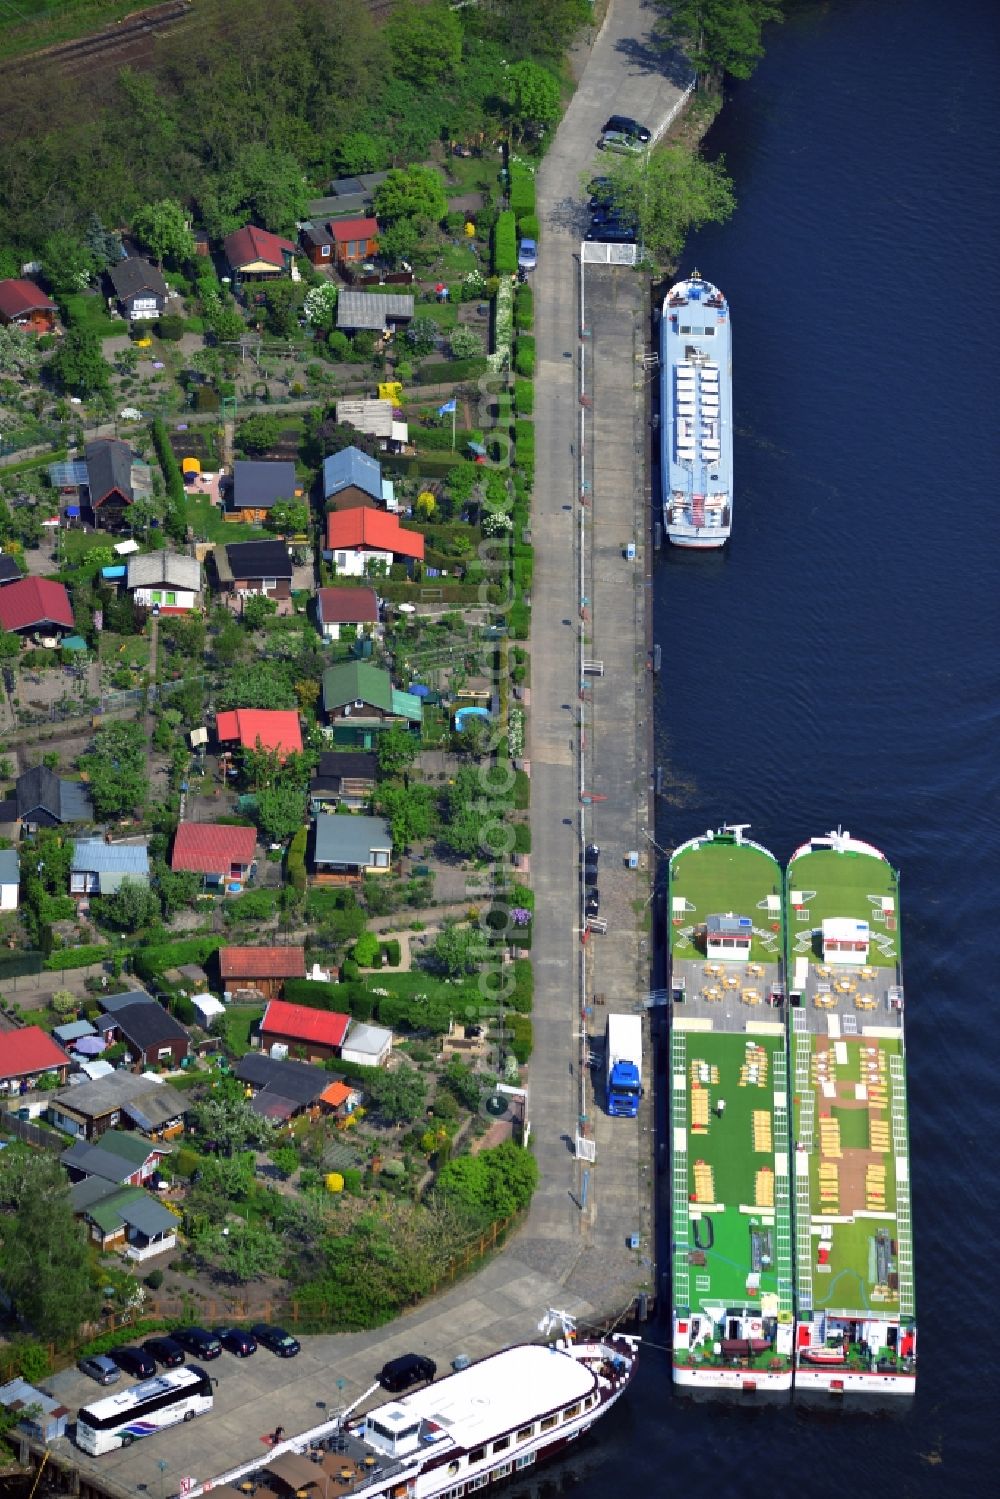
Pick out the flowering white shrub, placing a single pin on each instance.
(515, 734)
(496, 522)
(319, 303)
(503, 327)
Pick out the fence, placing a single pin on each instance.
(30, 1133)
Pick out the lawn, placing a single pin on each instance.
(83, 311)
(238, 1023)
(124, 650)
(453, 262)
(208, 524)
(41, 23)
(841, 884)
(73, 543)
(724, 877)
(445, 314)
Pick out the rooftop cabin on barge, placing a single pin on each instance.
(696, 415)
(730, 1208)
(856, 1314)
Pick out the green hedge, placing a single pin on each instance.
(527, 225)
(524, 441)
(296, 861)
(522, 1038)
(522, 188)
(524, 397)
(524, 355)
(524, 308)
(438, 467)
(452, 371)
(77, 957)
(150, 962)
(505, 244)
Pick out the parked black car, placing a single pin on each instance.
(199, 1341)
(166, 1351)
(592, 853)
(612, 234)
(135, 1361)
(235, 1340)
(409, 1369)
(593, 906)
(276, 1339)
(627, 126)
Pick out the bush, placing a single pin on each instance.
(366, 950)
(206, 399)
(184, 1162)
(528, 226)
(505, 245)
(154, 1279)
(170, 329)
(391, 952)
(183, 1010)
(524, 397)
(524, 356)
(152, 961)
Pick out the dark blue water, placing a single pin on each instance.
(839, 664)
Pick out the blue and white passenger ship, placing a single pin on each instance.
(696, 414)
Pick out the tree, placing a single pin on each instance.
(720, 36)
(256, 609)
(411, 193)
(116, 767)
(64, 1003)
(258, 433)
(492, 1185)
(283, 303)
(163, 229)
(178, 889)
(19, 354)
(307, 692)
(78, 365)
(359, 151)
(280, 811)
(67, 262)
(183, 635)
(531, 94)
(286, 1158)
(671, 192)
(426, 43)
(421, 335)
(227, 1121)
(531, 28)
(398, 1096)
(105, 245)
(44, 1259)
(320, 305)
(264, 183)
(410, 810)
(289, 516)
(396, 750)
(458, 950)
(465, 342)
(132, 906)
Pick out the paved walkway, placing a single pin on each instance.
(587, 1242)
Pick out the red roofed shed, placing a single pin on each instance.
(26, 1055)
(25, 305)
(35, 604)
(257, 252)
(320, 1033)
(222, 854)
(262, 968)
(354, 239)
(274, 728)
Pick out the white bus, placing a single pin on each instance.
(116, 1421)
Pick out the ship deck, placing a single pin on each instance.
(854, 1252)
(731, 1214)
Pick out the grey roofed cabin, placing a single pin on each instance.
(44, 800)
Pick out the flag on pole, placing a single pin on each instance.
(447, 407)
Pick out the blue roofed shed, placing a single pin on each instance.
(352, 476)
(98, 868)
(49, 1418)
(74, 1031)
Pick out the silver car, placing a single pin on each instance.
(100, 1367)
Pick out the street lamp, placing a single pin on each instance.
(163, 1465)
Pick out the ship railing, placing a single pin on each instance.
(679, 1182)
